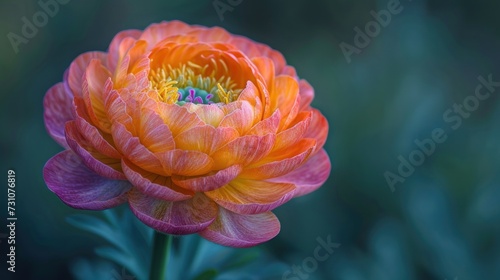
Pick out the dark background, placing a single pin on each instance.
(442, 222)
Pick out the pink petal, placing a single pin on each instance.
(155, 185)
(94, 137)
(114, 53)
(159, 31)
(132, 149)
(306, 94)
(58, 105)
(244, 196)
(298, 155)
(78, 68)
(235, 230)
(79, 187)
(180, 217)
(100, 164)
(309, 176)
(208, 182)
(318, 129)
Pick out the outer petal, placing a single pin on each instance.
(291, 160)
(79, 187)
(58, 106)
(309, 176)
(306, 94)
(318, 129)
(78, 68)
(97, 162)
(182, 217)
(252, 196)
(159, 31)
(114, 51)
(154, 185)
(235, 230)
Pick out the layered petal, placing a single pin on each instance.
(244, 196)
(155, 185)
(79, 187)
(309, 176)
(235, 230)
(58, 104)
(208, 182)
(97, 162)
(243, 150)
(180, 217)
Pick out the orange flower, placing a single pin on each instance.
(201, 131)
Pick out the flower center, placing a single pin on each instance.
(190, 83)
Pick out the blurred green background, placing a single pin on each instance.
(442, 222)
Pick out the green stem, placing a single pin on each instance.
(161, 252)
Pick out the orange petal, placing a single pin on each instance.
(243, 150)
(154, 134)
(266, 126)
(206, 138)
(210, 114)
(285, 96)
(177, 118)
(241, 119)
(252, 196)
(292, 135)
(185, 163)
(266, 69)
(96, 86)
(252, 95)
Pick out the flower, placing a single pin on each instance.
(199, 130)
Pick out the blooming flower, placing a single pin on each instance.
(201, 131)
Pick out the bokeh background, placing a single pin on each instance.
(442, 222)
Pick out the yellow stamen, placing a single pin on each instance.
(167, 81)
